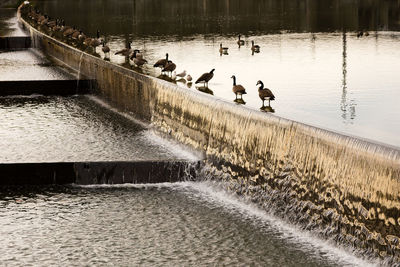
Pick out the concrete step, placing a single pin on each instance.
(46, 87)
(15, 42)
(85, 173)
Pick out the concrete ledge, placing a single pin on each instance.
(96, 172)
(46, 87)
(15, 43)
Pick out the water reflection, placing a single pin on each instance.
(174, 17)
(267, 109)
(313, 73)
(239, 101)
(347, 106)
(205, 89)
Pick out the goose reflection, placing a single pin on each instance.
(205, 89)
(239, 101)
(267, 109)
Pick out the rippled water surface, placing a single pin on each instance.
(311, 58)
(151, 225)
(51, 129)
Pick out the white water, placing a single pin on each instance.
(213, 193)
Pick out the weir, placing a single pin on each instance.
(342, 187)
(84, 173)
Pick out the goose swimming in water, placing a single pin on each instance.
(240, 42)
(265, 93)
(205, 78)
(255, 48)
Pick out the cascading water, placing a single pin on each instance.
(341, 187)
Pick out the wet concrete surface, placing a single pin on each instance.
(9, 23)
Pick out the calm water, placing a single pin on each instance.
(311, 58)
(151, 225)
(52, 129)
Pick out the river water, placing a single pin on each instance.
(179, 224)
(311, 58)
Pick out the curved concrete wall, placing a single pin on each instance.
(345, 188)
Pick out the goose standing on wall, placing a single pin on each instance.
(265, 93)
(161, 63)
(255, 48)
(125, 52)
(96, 41)
(106, 50)
(223, 50)
(138, 60)
(170, 67)
(238, 89)
(205, 78)
(240, 42)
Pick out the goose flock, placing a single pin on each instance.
(75, 37)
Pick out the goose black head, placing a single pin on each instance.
(129, 45)
(233, 77)
(212, 70)
(260, 83)
(166, 56)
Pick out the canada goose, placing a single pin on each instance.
(237, 88)
(126, 51)
(170, 67)
(223, 50)
(76, 34)
(82, 37)
(182, 74)
(105, 48)
(161, 62)
(68, 31)
(240, 42)
(265, 93)
(189, 78)
(139, 61)
(97, 41)
(255, 48)
(206, 77)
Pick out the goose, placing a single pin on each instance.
(205, 78)
(360, 34)
(181, 74)
(189, 78)
(96, 41)
(265, 93)
(240, 42)
(82, 37)
(254, 48)
(105, 48)
(68, 31)
(76, 34)
(170, 67)
(125, 52)
(223, 50)
(139, 61)
(237, 88)
(161, 62)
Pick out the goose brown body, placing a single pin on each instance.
(161, 63)
(206, 77)
(125, 52)
(170, 67)
(265, 93)
(237, 89)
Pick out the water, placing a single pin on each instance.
(52, 129)
(9, 23)
(29, 64)
(311, 58)
(157, 225)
